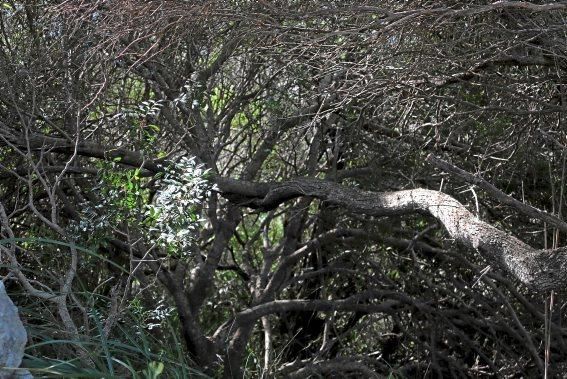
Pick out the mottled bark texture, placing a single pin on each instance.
(541, 270)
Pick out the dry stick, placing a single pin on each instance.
(502, 197)
(548, 137)
(547, 332)
(267, 345)
(552, 185)
(561, 192)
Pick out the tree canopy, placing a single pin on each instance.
(285, 189)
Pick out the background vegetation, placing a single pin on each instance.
(130, 253)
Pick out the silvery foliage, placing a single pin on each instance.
(187, 94)
(184, 94)
(145, 108)
(99, 217)
(90, 221)
(150, 107)
(176, 206)
(160, 313)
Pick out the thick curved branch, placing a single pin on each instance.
(541, 270)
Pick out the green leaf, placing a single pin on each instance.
(154, 370)
(154, 127)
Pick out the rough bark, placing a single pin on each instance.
(541, 270)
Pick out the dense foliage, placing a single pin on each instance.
(169, 176)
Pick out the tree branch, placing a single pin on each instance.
(541, 270)
(502, 197)
(354, 303)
